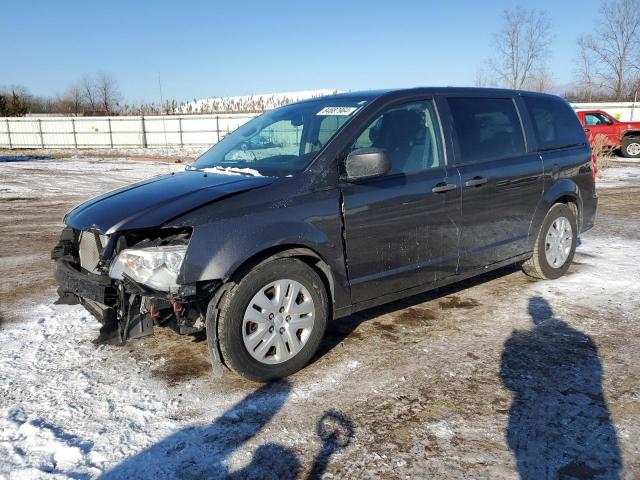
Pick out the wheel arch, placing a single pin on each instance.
(631, 134)
(302, 252)
(563, 191)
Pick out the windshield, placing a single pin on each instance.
(280, 142)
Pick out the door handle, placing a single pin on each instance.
(475, 182)
(444, 187)
(587, 130)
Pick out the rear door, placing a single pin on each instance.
(401, 229)
(501, 182)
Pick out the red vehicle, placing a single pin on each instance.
(622, 135)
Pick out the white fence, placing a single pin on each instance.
(114, 132)
(166, 130)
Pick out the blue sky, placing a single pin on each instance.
(204, 49)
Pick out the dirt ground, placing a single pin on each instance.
(500, 376)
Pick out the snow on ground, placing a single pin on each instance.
(7, 155)
(627, 160)
(69, 409)
(615, 177)
(56, 177)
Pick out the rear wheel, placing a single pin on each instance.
(555, 245)
(631, 147)
(272, 322)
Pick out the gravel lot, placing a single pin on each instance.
(498, 377)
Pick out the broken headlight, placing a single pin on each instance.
(156, 267)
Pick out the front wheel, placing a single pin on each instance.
(631, 147)
(555, 244)
(272, 322)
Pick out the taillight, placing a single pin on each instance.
(594, 167)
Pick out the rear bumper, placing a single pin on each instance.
(98, 288)
(589, 208)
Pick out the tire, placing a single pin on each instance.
(234, 328)
(539, 266)
(631, 147)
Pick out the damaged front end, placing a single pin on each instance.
(127, 281)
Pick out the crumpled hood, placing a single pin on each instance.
(154, 202)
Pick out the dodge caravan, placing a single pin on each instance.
(322, 208)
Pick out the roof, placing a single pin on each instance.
(371, 95)
(399, 92)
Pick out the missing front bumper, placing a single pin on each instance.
(128, 310)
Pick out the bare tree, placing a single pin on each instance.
(483, 78)
(88, 89)
(587, 82)
(108, 92)
(610, 57)
(521, 46)
(72, 100)
(541, 81)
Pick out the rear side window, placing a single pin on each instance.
(555, 123)
(487, 128)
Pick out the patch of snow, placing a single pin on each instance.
(614, 177)
(56, 177)
(71, 409)
(171, 151)
(627, 160)
(442, 430)
(233, 171)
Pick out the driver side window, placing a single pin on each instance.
(410, 134)
(593, 119)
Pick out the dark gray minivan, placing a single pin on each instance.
(318, 209)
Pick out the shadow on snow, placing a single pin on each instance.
(201, 452)
(559, 423)
(23, 158)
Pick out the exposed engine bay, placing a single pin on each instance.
(127, 281)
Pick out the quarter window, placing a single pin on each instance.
(487, 128)
(410, 134)
(555, 123)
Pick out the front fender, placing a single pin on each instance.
(233, 235)
(217, 250)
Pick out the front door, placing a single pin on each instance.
(401, 229)
(597, 125)
(501, 183)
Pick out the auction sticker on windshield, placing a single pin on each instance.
(341, 111)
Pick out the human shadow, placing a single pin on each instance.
(23, 158)
(559, 423)
(336, 431)
(202, 452)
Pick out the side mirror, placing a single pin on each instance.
(367, 163)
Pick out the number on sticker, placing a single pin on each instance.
(341, 111)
